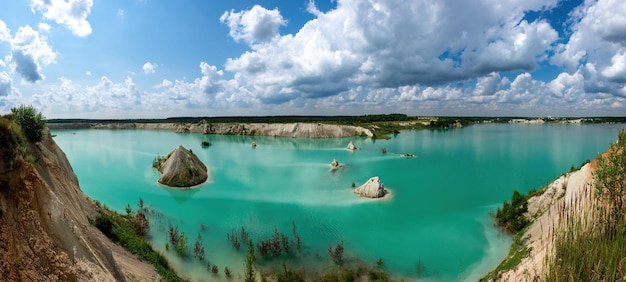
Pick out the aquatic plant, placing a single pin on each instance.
(143, 224)
(336, 254)
(296, 237)
(123, 232)
(250, 264)
(198, 249)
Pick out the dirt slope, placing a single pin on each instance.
(44, 230)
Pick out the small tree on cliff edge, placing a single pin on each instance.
(610, 177)
(30, 121)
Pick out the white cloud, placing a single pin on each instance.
(120, 13)
(29, 51)
(71, 13)
(384, 44)
(596, 49)
(255, 25)
(43, 27)
(616, 71)
(5, 32)
(487, 85)
(149, 68)
(88, 73)
(6, 84)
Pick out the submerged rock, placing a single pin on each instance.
(181, 168)
(373, 188)
(351, 146)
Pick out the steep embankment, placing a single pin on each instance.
(295, 130)
(45, 234)
(569, 195)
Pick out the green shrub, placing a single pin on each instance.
(30, 121)
(511, 215)
(123, 231)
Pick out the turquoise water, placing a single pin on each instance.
(437, 214)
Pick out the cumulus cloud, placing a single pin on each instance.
(29, 51)
(149, 68)
(43, 27)
(389, 44)
(71, 13)
(596, 49)
(487, 85)
(616, 71)
(5, 33)
(5, 84)
(255, 25)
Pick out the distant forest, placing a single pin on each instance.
(333, 119)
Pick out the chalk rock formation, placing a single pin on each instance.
(373, 188)
(181, 168)
(351, 146)
(334, 163)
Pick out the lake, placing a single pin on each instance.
(436, 224)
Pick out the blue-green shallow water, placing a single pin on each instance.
(438, 212)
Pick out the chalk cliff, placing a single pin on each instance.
(294, 130)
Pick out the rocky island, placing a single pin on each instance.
(181, 168)
(373, 188)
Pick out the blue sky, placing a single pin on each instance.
(154, 59)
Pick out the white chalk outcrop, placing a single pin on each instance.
(351, 146)
(294, 130)
(373, 188)
(181, 168)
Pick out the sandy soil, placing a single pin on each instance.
(569, 195)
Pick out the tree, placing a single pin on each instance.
(610, 176)
(511, 215)
(30, 121)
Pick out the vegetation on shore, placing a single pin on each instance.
(511, 216)
(592, 246)
(128, 231)
(19, 131)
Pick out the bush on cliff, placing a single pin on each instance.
(31, 121)
(511, 215)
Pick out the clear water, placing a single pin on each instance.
(438, 213)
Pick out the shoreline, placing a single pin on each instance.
(293, 130)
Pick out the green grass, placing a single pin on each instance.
(123, 231)
(596, 253)
(592, 247)
(517, 252)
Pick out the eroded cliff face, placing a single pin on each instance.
(44, 230)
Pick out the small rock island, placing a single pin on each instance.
(181, 168)
(351, 147)
(373, 188)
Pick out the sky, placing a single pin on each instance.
(154, 59)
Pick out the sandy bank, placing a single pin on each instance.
(569, 194)
(294, 130)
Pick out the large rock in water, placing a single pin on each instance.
(373, 188)
(181, 168)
